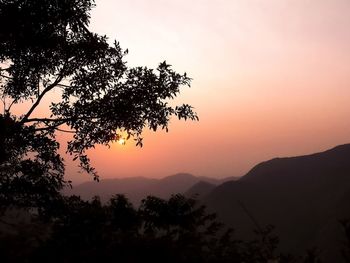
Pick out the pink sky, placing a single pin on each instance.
(271, 78)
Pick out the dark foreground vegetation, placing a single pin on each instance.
(174, 230)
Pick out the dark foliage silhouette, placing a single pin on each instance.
(174, 230)
(47, 46)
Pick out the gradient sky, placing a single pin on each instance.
(271, 78)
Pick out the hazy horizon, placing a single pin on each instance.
(214, 176)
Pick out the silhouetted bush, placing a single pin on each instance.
(174, 230)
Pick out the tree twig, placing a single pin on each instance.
(251, 217)
(37, 102)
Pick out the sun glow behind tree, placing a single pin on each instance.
(47, 45)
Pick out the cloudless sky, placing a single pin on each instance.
(271, 78)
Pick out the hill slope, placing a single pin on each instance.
(302, 196)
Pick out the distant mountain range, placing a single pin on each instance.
(137, 188)
(303, 197)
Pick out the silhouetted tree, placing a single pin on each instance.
(47, 46)
(174, 230)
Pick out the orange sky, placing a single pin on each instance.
(270, 78)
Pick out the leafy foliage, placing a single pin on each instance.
(31, 171)
(174, 230)
(46, 45)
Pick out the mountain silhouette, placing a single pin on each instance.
(303, 197)
(137, 188)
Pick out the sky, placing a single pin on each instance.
(271, 78)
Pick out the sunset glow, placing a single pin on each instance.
(121, 141)
(139, 130)
(270, 78)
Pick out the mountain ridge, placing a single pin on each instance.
(302, 196)
(137, 188)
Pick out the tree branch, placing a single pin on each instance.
(47, 120)
(58, 84)
(9, 107)
(55, 128)
(61, 130)
(57, 120)
(62, 85)
(46, 90)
